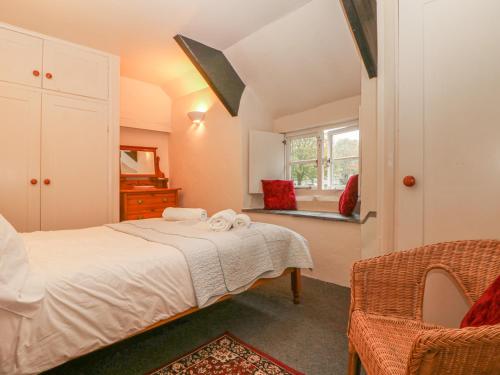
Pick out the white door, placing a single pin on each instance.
(449, 121)
(20, 58)
(20, 156)
(75, 163)
(74, 70)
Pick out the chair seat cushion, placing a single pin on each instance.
(384, 343)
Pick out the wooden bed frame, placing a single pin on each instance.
(296, 284)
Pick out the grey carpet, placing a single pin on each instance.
(310, 337)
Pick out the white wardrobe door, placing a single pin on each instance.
(75, 70)
(21, 58)
(20, 156)
(74, 163)
(449, 116)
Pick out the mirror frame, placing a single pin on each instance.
(139, 148)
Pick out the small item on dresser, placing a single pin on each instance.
(222, 221)
(242, 221)
(182, 214)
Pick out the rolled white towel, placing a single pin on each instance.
(242, 221)
(182, 214)
(222, 221)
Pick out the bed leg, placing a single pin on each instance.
(296, 285)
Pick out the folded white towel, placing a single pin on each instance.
(242, 221)
(222, 221)
(182, 214)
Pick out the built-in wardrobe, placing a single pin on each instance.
(59, 127)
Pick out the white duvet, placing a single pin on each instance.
(102, 286)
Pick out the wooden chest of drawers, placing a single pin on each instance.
(136, 204)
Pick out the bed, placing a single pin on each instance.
(105, 284)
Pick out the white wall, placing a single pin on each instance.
(334, 245)
(144, 106)
(334, 112)
(302, 60)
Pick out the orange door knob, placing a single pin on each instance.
(48, 75)
(409, 181)
(36, 73)
(34, 181)
(46, 181)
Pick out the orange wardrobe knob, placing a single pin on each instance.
(409, 181)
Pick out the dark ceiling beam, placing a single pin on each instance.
(362, 17)
(217, 71)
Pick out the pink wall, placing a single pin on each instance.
(205, 160)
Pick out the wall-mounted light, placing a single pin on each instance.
(196, 117)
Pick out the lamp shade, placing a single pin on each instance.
(196, 116)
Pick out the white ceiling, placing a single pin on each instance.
(296, 54)
(141, 31)
(300, 61)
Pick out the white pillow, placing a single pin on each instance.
(21, 290)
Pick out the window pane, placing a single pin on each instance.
(305, 175)
(304, 149)
(342, 170)
(346, 144)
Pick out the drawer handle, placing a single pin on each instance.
(36, 73)
(140, 201)
(140, 217)
(164, 199)
(48, 75)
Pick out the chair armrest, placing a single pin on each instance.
(389, 285)
(472, 350)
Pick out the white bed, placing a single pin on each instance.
(102, 286)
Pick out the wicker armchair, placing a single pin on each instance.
(386, 330)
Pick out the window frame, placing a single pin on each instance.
(321, 159)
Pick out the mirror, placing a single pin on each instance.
(137, 161)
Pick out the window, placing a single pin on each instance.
(324, 159)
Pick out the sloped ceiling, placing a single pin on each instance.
(141, 31)
(296, 54)
(300, 61)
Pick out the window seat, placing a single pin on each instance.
(321, 215)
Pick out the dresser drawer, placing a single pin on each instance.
(146, 205)
(149, 199)
(149, 209)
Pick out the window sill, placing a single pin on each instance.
(321, 215)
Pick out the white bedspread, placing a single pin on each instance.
(225, 262)
(102, 286)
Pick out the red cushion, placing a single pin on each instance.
(349, 197)
(486, 310)
(279, 195)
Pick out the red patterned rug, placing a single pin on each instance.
(226, 355)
